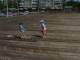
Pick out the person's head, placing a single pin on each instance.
(20, 23)
(42, 21)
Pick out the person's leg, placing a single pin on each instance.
(45, 34)
(41, 33)
(23, 35)
(19, 34)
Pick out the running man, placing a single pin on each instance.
(43, 28)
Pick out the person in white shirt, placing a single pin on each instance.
(43, 28)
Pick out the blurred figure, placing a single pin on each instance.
(22, 30)
(43, 28)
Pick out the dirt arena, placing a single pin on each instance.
(62, 43)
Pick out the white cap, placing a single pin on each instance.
(41, 20)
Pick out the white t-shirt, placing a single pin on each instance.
(22, 29)
(44, 26)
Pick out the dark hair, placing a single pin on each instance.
(20, 23)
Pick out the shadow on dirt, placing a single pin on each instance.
(33, 38)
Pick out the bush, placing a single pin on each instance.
(75, 5)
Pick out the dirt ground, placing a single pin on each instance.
(62, 42)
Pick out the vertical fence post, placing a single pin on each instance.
(38, 5)
(17, 7)
(7, 8)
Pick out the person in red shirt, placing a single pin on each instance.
(43, 28)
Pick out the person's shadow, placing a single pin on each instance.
(35, 38)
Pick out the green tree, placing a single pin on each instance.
(1, 5)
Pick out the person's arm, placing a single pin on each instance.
(44, 26)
